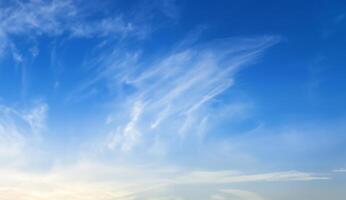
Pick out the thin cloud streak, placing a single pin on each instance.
(19, 127)
(176, 91)
(242, 194)
(56, 18)
(85, 180)
(341, 170)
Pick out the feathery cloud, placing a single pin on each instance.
(177, 90)
(341, 170)
(90, 180)
(18, 127)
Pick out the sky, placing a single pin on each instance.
(172, 100)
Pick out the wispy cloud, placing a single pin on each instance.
(242, 194)
(176, 91)
(236, 177)
(88, 180)
(18, 127)
(130, 133)
(65, 19)
(341, 170)
(56, 18)
(38, 17)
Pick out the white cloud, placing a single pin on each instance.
(18, 127)
(234, 177)
(103, 28)
(35, 18)
(177, 89)
(129, 135)
(242, 194)
(341, 170)
(11, 141)
(36, 117)
(57, 17)
(217, 197)
(87, 180)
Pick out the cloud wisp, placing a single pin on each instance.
(56, 18)
(239, 194)
(20, 127)
(175, 92)
(341, 170)
(88, 180)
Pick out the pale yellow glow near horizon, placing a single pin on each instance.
(91, 181)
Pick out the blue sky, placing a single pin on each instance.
(172, 100)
